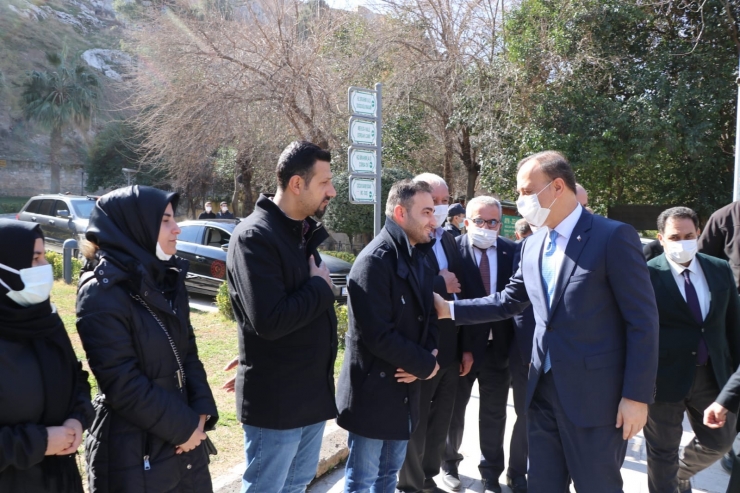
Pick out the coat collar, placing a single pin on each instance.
(396, 237)
(316, 231)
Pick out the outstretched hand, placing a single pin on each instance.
(228, 386)
(442, 307)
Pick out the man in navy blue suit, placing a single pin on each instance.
(595, 348)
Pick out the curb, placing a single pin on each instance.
(333, 451)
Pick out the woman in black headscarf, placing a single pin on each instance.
(44, 393)
(154, 403)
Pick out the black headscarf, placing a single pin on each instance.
(125, 224)
(43, 330)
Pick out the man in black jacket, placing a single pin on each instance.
(427, 443)
(391, 342)
(486, 266)
(224, 213)
(699, 313)
(207, 212)
(284, 307)
(455, 218)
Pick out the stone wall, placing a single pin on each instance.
(28, 178)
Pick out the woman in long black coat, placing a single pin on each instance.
(154, 402)
(44, 393)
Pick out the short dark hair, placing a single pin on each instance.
(298, 159)
(679, 213)
(554, 165)
(522, 227)
(208, 203)
(402, 193)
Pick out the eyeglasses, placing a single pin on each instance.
(491, 222)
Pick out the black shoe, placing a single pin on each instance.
(517, 485)
(491, 486)
(727, 460)
(452, 480)
(684, 486)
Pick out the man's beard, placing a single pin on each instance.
(417, 232)
(319, 212)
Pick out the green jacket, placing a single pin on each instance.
(680, 333)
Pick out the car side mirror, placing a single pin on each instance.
(63, 213)
(225, 247)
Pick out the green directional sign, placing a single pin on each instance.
(361, 190)
(362, 132)
(362, 161)
(363, 103)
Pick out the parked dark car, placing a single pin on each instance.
(205, 243)
(61, 217)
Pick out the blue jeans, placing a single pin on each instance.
(281, 461)
(372, 464)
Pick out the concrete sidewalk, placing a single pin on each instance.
(634, 472)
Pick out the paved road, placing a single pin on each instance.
(634, 472)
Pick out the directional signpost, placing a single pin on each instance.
(365, 150)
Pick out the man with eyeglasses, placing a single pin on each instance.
(486, 266)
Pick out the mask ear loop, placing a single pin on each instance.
(9, 269)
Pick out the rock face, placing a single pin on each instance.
(88, 16)
(106, 60)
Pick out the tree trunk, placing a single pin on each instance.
(56, 147)
(447, 169)
(244, 168)
(468, 160)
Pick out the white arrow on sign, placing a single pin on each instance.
(362, 132)
(362, 161)
(363, 103)
(362, 190)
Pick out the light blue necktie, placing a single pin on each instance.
(549, 273)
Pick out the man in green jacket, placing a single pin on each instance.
(699, 312)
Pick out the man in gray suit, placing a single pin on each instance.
(595, 351)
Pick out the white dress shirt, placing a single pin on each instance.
(697, 279)
(565, 231)
(439, 252)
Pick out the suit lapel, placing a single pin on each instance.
(712, 281)
(469, 257)
(577, 241)
(670, 286)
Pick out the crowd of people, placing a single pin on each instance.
(596, 343)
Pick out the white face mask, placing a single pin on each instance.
(461, 224)
(440, 213)
(482, 238)
(161, 255)
(209, 208)
(531, 210)
(224, 209)
(37, 282)
(682, 251)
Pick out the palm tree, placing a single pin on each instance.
(58, 97)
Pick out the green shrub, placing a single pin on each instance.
(342, 322)
(223, 302)
(57, 264)
(346, 256)
(11, 207)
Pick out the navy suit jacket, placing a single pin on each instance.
(475, 338)
(601, 328)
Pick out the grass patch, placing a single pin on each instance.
(9, 205)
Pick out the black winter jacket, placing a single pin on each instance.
(142, 413)
(286, 318)
(392, 324)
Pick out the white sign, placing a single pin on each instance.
(362, 190)
(362, 161)
(362, 132)
(363, 103)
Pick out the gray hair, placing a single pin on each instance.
(482, 200)
(432, 179)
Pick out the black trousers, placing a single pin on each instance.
(557, 447)
(664, 429)
(494, 381)
(518, 449)
(426, 445)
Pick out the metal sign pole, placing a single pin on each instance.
(379, 167)
(736, 191)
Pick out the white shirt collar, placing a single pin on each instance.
(678, 269)
(566, 226)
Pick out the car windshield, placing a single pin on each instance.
(83, 208)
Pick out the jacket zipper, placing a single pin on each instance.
(147, 465)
